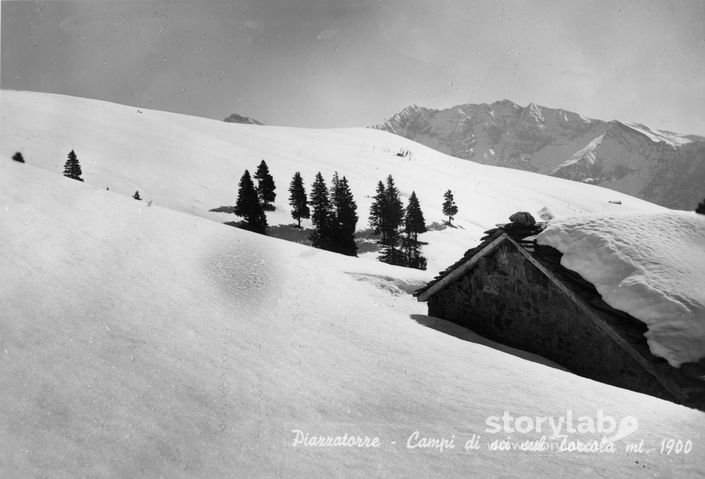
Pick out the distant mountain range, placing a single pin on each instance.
(659, 166)
(235, 118)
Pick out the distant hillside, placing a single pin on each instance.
(658, 166)
(235, 118)
(193, 165)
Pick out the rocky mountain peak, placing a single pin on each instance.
(628, 157)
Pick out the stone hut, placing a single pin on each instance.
(514, 291)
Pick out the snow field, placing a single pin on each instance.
(140, 342)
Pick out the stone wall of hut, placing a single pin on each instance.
(507, 299)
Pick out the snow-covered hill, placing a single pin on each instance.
(662, 167)
(194, 164)
(137, 341)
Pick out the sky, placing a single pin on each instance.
(344, 63)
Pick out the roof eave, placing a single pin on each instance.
(462, 269)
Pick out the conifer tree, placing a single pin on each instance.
(249, 207)
(701, 208)
(376, 219)
(414, 224)
(321, 215)
(72, 168)
(18, 157)
(297, 199)
(450, 209)
(265, 186)
(393, 212)
(386, 216)
(137, 196)
(345, 217)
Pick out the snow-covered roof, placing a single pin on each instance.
(649, 265)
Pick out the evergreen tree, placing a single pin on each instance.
(321, 215)
(386, 216)
(393, 212)
(701, 208)
(265, 186)
(297, 199)
(414, 224)
(72, 168)
(249, 207)
(376, 219)
(450, 209)
(18, 157)
(344, 215)
(137, 196)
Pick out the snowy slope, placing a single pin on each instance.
(137, 341)
(659, 166)
(194, 164)
(650, 265)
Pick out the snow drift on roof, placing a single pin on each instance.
(650, 265)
